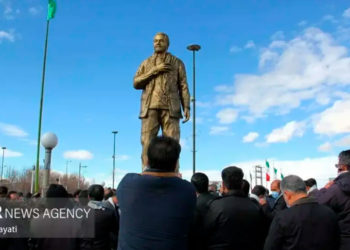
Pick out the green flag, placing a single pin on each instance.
(51, 11)
(275, 170)
(267, 164)
(282, 176)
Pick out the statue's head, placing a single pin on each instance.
(161, 42)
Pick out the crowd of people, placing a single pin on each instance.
(158, 210)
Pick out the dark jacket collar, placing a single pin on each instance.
(238, 193)
(305, 200)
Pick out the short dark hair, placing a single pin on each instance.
(310, 182)
(201, 182)
(232, 177)
(259, 190)
(344, 158)
(3, 191)
(163, 153)
(56, 191)
(83, 197)
(96, 192)
(245, 187)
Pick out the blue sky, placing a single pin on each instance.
(272, 82)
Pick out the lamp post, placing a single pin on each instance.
(2, 164)
(49, 141)
(80, 166)
(114, 133)
(194, 48)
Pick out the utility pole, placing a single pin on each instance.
(194, 48)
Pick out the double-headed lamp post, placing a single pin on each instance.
(2, 164)
(194, 48)
(49, 141)
(114, 133)
(80, 166)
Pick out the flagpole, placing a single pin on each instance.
(36, 186)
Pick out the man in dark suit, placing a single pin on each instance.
(233, 221)
(200, 182)
(305, 225)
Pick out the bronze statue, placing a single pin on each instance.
(162, 78)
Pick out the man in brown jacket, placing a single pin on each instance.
(162, 77)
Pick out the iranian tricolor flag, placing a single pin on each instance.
(267, 170)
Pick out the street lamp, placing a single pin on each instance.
(114, 133)
(2, 164)
(194, 48)
(80, 166)
(49, 141)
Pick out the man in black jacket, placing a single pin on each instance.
(305, 225)
(336, 195)
(105, 222)
(233, 221)
(200, 182)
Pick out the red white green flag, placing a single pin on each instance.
(267, 170)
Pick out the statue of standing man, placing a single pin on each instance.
(162, 78)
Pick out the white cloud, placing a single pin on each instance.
(227, 116)
(203, 104)
(329, 18)
(9, 36)
(302, 23)
(235, 49)
(287, 132)
(216, 130)
(319, 168)
(249, 45)
(278, 35)
(122, 157)
(250, 137)
(325, 147)
(347, 13)
(183, 143)
(34, 10)
(334, 119)
(12, 130)
(10, 153)
(78, 155)
(309, 67)
(343, 142)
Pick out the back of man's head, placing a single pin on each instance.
(293, 184)
(163, 153)
(201, 182)
(344, 158)
(310, 182)
(3, 191)
(96, 192)
(259, 191)
(56, 191)
(245, 187)
(232, 178)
